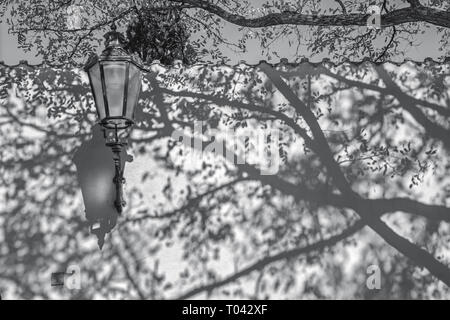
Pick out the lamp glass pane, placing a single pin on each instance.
(96, 85)
(114, 72)
(134, 87)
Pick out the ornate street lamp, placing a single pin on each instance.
(115, 79)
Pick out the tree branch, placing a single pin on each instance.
(414, 13)
(394, 32)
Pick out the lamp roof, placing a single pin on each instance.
(114, 50)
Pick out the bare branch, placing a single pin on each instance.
(394, 32)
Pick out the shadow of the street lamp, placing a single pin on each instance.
(95, 173)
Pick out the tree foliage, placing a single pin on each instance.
(160, 35)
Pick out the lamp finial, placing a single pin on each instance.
(114, 38)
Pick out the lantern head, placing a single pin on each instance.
(115, 79)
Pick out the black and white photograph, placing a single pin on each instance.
(224, 154)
